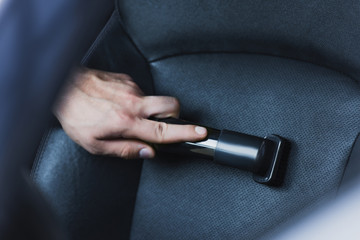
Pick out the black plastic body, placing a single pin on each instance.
(259, 155)
(239, 150)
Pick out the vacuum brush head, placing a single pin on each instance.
(261, 156)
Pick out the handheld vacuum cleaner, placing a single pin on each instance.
(259, 155)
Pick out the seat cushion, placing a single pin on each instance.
(258, 67)
(92, 196)
(314, 107)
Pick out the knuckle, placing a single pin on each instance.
(126, 152)
(95, 148)
(124, 118)
(124, 77)
(133, 103)
(93, 78)
(160, 131)
(134, 90)
(120, 77)
(176, 106)
(133, 100)
(176, 102)
(131, 83)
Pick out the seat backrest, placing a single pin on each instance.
(257, 67)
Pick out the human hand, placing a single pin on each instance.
(107, 114)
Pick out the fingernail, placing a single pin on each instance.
(145, 153)
(200, 130)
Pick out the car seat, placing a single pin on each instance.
(258, 67)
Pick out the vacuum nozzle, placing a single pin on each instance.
(259, 155)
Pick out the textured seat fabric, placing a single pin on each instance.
(210, 201)
(258, 67)
(93, 196)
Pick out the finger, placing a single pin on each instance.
(120, 76)
(160, 132)
(128, 149)
(160, 107)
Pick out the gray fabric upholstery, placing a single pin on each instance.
(93, 196)
(325, 32)
(258, 67)
(314, 107)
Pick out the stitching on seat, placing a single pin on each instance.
(152, 90)
(98, 39)
(127, 34)
(217, 52)
(134, 44)
(251, 53)
(285, 57)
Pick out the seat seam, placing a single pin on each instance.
(135, 45)
(98, 40)
(39, 154)
(152, 91)
(278, 56)
(250, 53)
